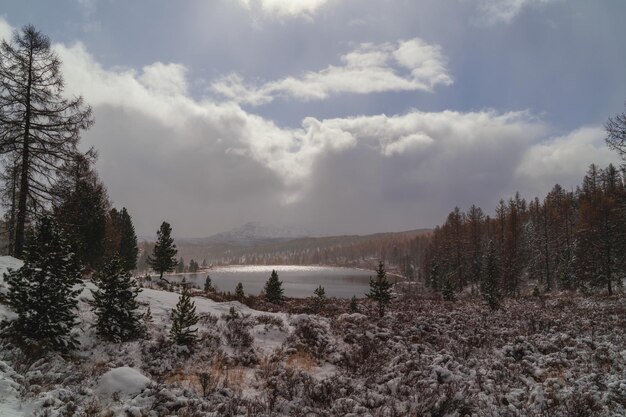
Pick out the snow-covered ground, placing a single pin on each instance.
(563, 355)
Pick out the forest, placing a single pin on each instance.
(519, 313)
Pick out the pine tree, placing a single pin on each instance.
(239, 294)
(208, 284)
(39, 127)
(448, 291)
(43, 293)
(115, 303)
(320, 298)
(380, 289)
(490, 284)
(354, 304)
(184, 317)
(128, 241)
(274, 289)
(163, 257)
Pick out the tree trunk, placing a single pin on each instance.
(20, 227)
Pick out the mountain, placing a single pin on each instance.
(255, 244)
(250, 234)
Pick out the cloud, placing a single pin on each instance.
(206, 166)
(565, 159)
(504, 11)
(6, 31)
(285, 8)
(412, 65)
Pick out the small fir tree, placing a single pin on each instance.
(354, 304)
(380, 289)
(184, 317)
(320, 298)
(44, 292)
(163, 257)
(274, 289)
(239, 294)
(490, 284)
(115, 303)
(208, 284)
(448, 291)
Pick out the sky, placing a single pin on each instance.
(338, 116)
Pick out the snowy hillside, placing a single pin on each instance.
(253, 233)
(555, 356)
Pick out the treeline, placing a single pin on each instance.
(402, 252)
(569, 240)
(44, 173)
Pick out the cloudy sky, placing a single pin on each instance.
(341, 116)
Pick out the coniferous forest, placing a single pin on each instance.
(506, 311)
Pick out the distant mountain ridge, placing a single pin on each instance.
(251, 234)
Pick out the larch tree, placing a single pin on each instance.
(163, 257)
(490, 285)
(39, 126)
(616, 134)
(44, 292)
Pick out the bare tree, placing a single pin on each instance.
(39, 126)
(616, 134)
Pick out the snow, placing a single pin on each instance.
(10, 403)
(8, 263)
(546, 355)
(125, 381)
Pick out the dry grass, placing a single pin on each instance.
(301, 360)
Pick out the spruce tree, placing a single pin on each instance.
(490, 284)
(380, 289)
(320, 298)
(184, 317)
(448, 291)
(239, 294)
(43, 293)
(354, 304)
(115, 303)
(208, 284)
(81, 206)
(274, 289)
(163, 257)
(128, 241)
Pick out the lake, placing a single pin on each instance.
(298, 281)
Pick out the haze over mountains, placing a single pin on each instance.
(256, 243)
(250, 234)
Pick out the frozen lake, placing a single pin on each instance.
(298, 281)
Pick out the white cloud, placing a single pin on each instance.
(6, 31)
(412, 65)
(206, 166)
(166, 154)
(285, 8)
(565, 159)
(497, 11)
